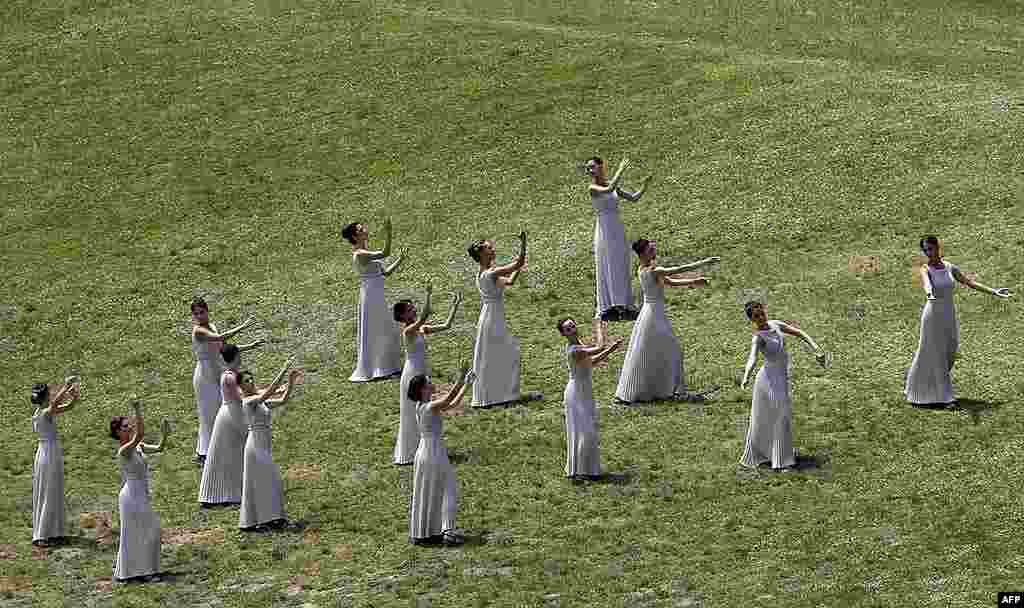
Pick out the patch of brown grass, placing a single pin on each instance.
(15, 584)
(8, 552)
(184, 536)
(303, 472)
(865, 264)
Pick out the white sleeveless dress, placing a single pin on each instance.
(262, 488)
(611, 254)
(496, 354)
(206, 386)
(653, 367)
(435, 491)
(138, 553)
(379, 337)
(583, 456)
(222, 473)
(770, 437)
(929, 379)
(47, 480)
(408, 431)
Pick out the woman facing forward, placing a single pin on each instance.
(611, 253)
(929, 379)
(48, 468)
(378, 343)
(653, 368)
(413, 333)
(138, 553)
(770, 436)
(583, 455)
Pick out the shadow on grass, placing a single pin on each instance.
(972, 407)
(613, 478)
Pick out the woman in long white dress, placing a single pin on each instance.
(206, 345)
(611, 251)
(138, 553)
(496, 352)
(770, 434)
(378, 338)
(929, 379)
(583, 454)
(414, 334)
(48, 468)
(653, 368)
(221, 482)
(435, 490)
(262, 488)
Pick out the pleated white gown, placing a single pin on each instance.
(379, 336)
(929, 379)
(435, 491)
(496, 353)
(653, 367)
(47, 480)
(222, 474)
(138, 553)
(408, 439)
(611, 254)
(770, 436)
(262, 488)
(583, 455)
(206, 386)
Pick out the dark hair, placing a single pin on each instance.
(561, 322)
(930, 240)
(640, 246)
(244, 376)
(416, 386)
(399, 309)
(349, 232)
(199, 303)
(593, 159)
(115, 425)
(474, 249)
(229, 352)
(750, 306)
(40, 392)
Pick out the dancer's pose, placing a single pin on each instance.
(435, 491)
(611, 252)
(206, 344)
(653, 368)
(138, 554)
(496, 353)
(262, 488)
(48, 469)
(378, 341)
(221, 483)
(583, 454)
(413, 334)
(770, 437)
(929, 378)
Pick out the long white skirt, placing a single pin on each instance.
(408, 439)
(653, 367)
(222, 473)
(435, 491)
(770, 435)
(583, 455)
(612, 263)
(138, 553)
(929, 379)
(495, 358)
(48, 491)
(379, 337)
(206, 386)
(262, 488)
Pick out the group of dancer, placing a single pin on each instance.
(233, 445)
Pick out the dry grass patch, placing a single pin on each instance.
(184, 536)
(15, 584)
(303, 472)
(865, 264)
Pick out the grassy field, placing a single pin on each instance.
(152, 151)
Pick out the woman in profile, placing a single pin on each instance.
(48, 468)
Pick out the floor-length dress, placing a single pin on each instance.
(583, 456)
(496, 353)
(206, 386)
(47, 480)
(611, 254)
(138, 553)
(262, 488)
(928, 379)
(435, 490)
(222, 473)
(408, 439)
(770, 435)
(379, 336)
(653, 367)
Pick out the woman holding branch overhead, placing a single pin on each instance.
(48, 468)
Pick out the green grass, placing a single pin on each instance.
(153, 151)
